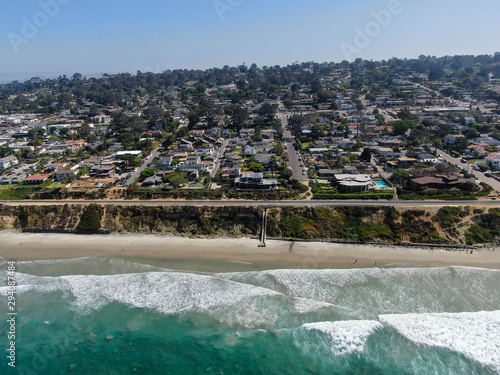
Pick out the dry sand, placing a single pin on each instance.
(277, 254)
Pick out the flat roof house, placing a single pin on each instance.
(8, 162)
(254, 181)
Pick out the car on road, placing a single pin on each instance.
(304, 172)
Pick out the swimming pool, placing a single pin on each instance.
(382, 185)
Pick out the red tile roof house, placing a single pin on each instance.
(36, 179)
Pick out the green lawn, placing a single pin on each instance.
(18, 192)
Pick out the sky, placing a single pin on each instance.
(52, 37)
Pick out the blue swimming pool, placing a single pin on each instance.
(382, 184)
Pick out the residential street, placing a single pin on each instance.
(293, 155)
(154, 154)
(220, 155)
(480, 175)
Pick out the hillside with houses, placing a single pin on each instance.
(426, 128)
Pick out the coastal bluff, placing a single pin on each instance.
(448, 225)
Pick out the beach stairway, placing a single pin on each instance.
(263, 231)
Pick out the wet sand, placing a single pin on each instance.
(277, 254)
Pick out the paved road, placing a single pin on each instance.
(220, 155)
(293, 155)
(263, 204)
(154, 154)
(467, 166)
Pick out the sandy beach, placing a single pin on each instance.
(277, 254)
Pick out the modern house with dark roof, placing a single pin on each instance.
(449, 182)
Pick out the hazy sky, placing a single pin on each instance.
(95, 36)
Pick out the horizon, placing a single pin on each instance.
(87, 75)
(55, 37)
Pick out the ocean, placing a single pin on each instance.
(115, 316)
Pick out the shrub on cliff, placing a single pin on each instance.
(91, 219)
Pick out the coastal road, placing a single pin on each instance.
(263, 204)
(293, 155)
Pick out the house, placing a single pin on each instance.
(8, 162)
(246, 133)
(152, 181)
(428, 159)
(353, 183)
(493, 160)
(249, 150)
(328, 173)
(449, 182)
(385, 152)
(104, 171)
(405, 162)
(57, 166)
(451, 139)
(230, 172)
(192, 159)
(116, 147)
(254, 181)
(135, 153)
(12, 179)
(264, 159)
(69, 174)
(165, 162)
(36, 179)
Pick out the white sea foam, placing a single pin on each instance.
(475, 335)
(303, 305)
(367, 293)
(84, 266)
(346, 337)
(168, 293)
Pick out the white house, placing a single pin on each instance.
(493, 160)
(8, 162)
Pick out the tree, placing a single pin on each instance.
(149, 172)
(366, 155)
(461, 143)
(405, 114)
(286, 173)
(471, 133)
(63, 132)
(400, 176)
(256, 167)
(402, 126)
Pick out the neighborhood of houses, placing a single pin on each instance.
(327, 142)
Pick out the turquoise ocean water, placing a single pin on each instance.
(112, 316)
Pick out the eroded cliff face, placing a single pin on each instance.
(188, 221)
(447, 225)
